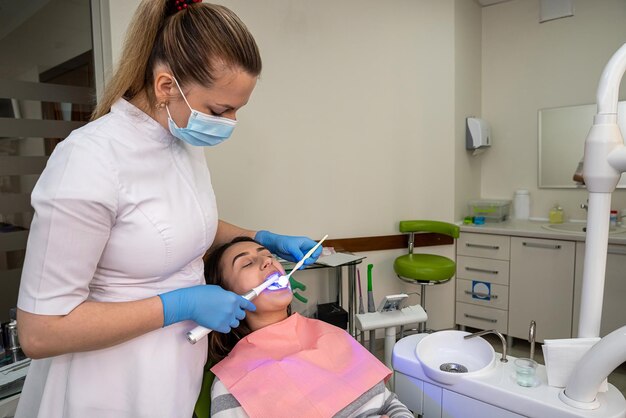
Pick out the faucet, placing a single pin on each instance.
(597, 363)
(491, 331)
(531, 338)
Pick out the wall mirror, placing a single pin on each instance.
(562, 134)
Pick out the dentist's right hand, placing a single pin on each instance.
(208, 305)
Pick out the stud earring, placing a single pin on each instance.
(160, 106)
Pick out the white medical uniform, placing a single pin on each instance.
(123, 211)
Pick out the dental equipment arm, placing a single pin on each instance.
(604, 161)
(199, 332)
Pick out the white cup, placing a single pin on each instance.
(525, 370)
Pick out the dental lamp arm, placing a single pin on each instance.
(604, 161)
(593, 368)
(608, 87)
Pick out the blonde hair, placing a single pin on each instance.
(193, 42)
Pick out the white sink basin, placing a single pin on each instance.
(442, 354)
(579, 228)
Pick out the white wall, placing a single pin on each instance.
(528, 66)
(354, 119)
(353, 125)
(468, 85)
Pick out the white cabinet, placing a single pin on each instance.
(541, 287)
(456, 405)
(613, 306)
(431, 401)
(482, 281)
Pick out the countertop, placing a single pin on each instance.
(536, 229)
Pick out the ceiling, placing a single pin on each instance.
(14, 13)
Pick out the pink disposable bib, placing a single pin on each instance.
(299, 367)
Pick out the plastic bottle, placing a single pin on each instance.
(613, 218)
(521, 204)
(556, 215)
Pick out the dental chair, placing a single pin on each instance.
(202, 408)
(424, 269)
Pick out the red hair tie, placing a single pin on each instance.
(177, 5)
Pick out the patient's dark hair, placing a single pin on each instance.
(221, 344)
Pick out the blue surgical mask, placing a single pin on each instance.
(201, 129)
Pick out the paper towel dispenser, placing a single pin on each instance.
(477, 134)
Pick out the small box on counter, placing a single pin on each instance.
(333, 314)
(491, 210)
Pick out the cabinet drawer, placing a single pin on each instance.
(489, 294)
(483, 269)
(484, 245)
(481, 317)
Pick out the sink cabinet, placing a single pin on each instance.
(503, 282)
(541, 287)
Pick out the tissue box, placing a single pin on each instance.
(561, 357)
(492, 210)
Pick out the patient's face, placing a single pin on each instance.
(246, 265)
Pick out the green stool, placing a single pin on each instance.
(425, 269)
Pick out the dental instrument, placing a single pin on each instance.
(299, 264)
(371, 307)
(200, 332)
(361, 307)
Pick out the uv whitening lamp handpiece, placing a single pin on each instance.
(200, 332)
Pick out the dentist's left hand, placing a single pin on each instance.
(288, 247)
(207, 305)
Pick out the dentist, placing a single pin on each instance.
(124, 212)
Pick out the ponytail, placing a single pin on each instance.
(192, 42)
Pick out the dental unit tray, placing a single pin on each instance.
(392, 302)
(375, 320)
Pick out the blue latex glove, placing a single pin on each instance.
(207, 305)
(288, 247)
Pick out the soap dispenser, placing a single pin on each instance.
(556, 215)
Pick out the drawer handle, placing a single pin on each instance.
(481, 270)
(489, 247)
(617, 249)
(539, 245)
(481, 318)
(481, 295)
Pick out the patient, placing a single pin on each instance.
(280, 365)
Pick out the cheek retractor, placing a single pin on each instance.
(281, 283)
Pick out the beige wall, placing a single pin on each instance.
(356, 123)
(468, 85)
(528, 66)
